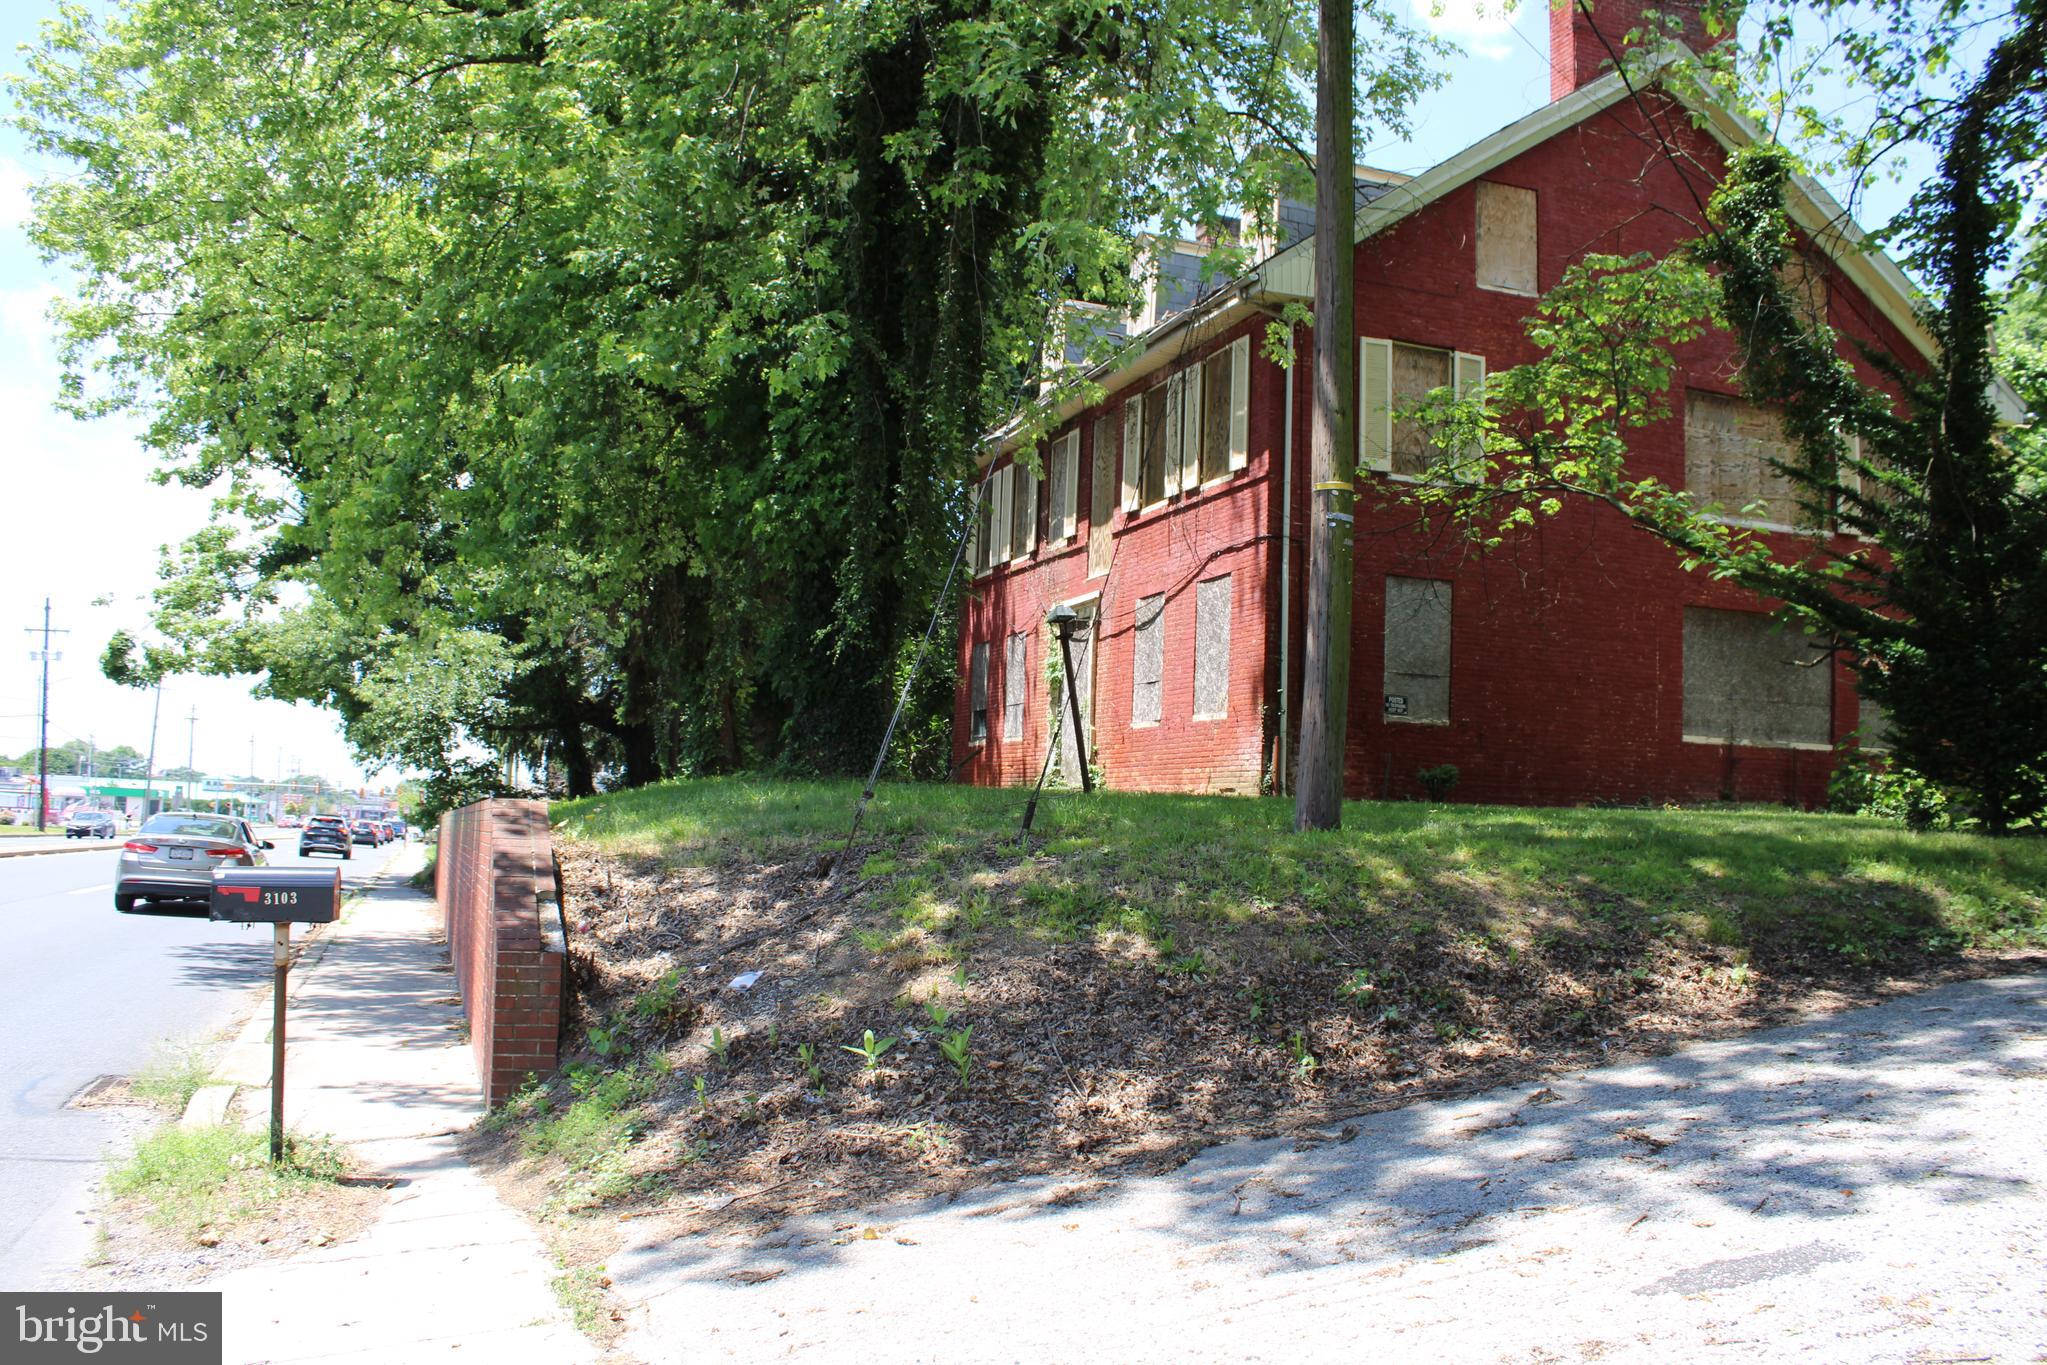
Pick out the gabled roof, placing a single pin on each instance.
(1289, 275)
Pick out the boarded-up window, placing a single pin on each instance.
(1806, 282)
(1750, 681)
(1729, 444)
(1417, 650)
(1225, 393)
(1101, 500)
(1393, 375)
(977, 696)
(1063, 496)
(1506, 238)
(1151, 465)
(1023, 523)
(1148, 665)
(1015, 682)
(1212, 649)
(1872, 725)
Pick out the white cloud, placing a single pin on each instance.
(1481, 25)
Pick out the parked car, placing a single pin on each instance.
(325, 835)
(394, 830)
(366, 832)
(89, 824)
(173, 856)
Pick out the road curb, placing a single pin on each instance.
(97, 847)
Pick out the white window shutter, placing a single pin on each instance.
(1176, 402)
(1028, 491)
(1068, 511)
(1240, 402)
(974, 547)
(1375, 403)
(1190, 429)
(1003, 478)
(1133, 441)
(1467, 374)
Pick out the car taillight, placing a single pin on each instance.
(137, 846)
(240, 855)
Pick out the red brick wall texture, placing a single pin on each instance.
(1566, 645)
(494, 878)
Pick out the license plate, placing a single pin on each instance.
(181, 854)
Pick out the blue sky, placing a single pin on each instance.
(86, 521)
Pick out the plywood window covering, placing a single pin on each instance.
(1064, 497)
(1101, 498)
(1506, 238)
(1151, 467)
(1417, 651)
(977, 696)
(1729, 444)
(1872, 725)
(1015, 684)
(1750, 681)
(1148, 665)
(1394, 375)
(1806, 282)
(1023, 526)
(1212, 649)
(1133, 444)
(1215, 414)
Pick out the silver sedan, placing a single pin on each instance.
(173, 855)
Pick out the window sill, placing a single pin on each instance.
(1411, 720)
(1219, 715)
(1145, 724)
(1504, 289)
(1722, 742)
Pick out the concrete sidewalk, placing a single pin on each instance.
(1862, 1188)
(378, 1061)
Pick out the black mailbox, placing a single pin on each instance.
(277, 895)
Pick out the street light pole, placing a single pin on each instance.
(191, 739)
(149, 765)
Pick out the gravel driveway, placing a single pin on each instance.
(1863, 1188)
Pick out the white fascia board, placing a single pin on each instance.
(1142, 355)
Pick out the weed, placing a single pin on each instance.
(703, 1094)
(580, 1290)
(608, 1040)
(936, 1013)
(871, 1049)
(875, 941)
(1438, 781)
(721, 1047)
(959, 976)
(774, 1035)
(1358, 986)
(662, 1004)
(806, 1055)
(1305, 1062)
(173, 1075)
(954, 1048)
(191, 1180)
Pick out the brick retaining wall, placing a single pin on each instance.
(495, 884)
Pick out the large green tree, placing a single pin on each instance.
(598, 381)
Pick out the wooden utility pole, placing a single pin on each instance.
(1332, 435)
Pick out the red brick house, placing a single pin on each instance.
(1580, 663)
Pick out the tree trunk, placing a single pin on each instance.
(1332, 450)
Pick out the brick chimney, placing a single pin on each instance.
(1578, 57)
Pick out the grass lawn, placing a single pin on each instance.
(1156, 973)
(1730, 876)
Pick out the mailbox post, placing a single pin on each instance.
(279, 897)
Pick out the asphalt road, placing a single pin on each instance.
(86, 991)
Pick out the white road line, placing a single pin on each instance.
(90, 890)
